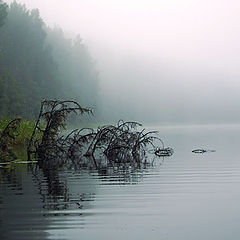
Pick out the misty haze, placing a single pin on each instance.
(158, 61)
(119, 118)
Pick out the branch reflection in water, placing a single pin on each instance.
(53, 192)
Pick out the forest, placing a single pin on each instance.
(38, 62)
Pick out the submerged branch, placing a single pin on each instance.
(122, 143)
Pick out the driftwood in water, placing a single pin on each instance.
(7, 138)
(125, 142)
(202, 151)
(52, 116)
(121, 143)
(163, 152)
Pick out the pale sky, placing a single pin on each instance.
(205, 31)
(179, 53)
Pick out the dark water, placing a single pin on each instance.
(186, 196)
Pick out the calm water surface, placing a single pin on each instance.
(186, 196)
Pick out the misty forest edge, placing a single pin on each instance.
(38, 62)
(35, 62)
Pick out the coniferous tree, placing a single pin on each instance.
(3, 12)
(37, 62)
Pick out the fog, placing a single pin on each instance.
(159, 61)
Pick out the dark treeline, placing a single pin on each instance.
(38, 62)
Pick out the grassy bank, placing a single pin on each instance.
(24, 132)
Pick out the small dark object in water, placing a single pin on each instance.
(163, 152)
(202, 151)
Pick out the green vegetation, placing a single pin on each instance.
(15, 136)
(111, 144)
(37, 62)
(23, 134)
(3, 12)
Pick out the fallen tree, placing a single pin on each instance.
(51, 119)
(125, 142)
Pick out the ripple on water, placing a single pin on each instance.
(169, 200)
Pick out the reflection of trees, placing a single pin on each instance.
(53, 186)
(125, 174)
(121, 175)
(60, 189)
(54, 181)
(9, 178)
(16, 206)
(63, 189)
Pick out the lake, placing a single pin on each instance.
(185, 196)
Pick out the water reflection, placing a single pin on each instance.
(21, 213)
(187, 196)
(43, 197)
(9, 178)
